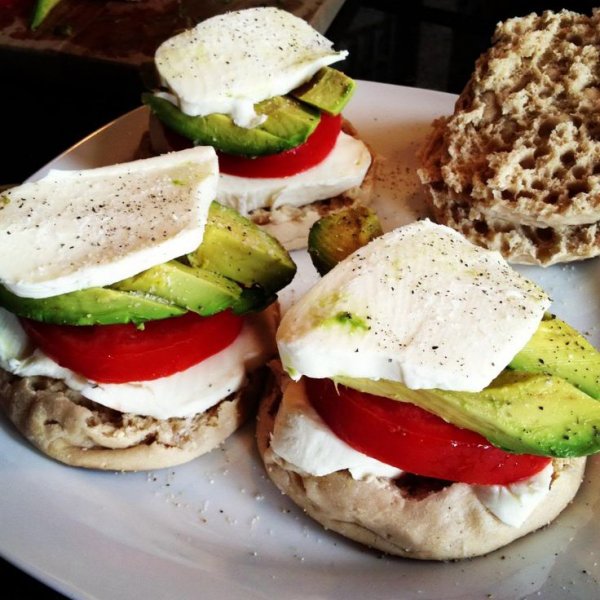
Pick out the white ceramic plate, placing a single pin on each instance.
(217, 527)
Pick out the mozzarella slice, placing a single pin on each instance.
(344, 168)
(420, 305)
(303, 440)
(307, 445)
(228, 63)
(14, 343)
(77, 229)
(179, 395)
(513, 503)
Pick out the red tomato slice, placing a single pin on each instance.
(298, 159)
(122, 353)
(414, 440)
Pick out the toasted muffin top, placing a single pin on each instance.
(523, 144)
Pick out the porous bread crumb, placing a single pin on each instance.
(517, 166)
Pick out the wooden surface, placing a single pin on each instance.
(128, 32)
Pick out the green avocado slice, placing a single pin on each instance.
(198, 290)
(523, 413)
(329, 90)
(288, 124)
(253, 299)
(41, 11)
(337, 235)
(558, 349)
(236, 248)
(92, 306)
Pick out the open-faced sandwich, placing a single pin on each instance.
(136, 313)
(256, 85)
(516, 168)
(428, 405)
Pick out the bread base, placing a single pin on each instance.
(525, 242)
(412, 517)
(515, 167)
(76, 431)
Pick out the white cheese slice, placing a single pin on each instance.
(420, 305)
(179, 395)
(14, 343)
(304, 441)
(307, 445)
(228, 63)
(77, 229)
(513, 503)
(344, 168)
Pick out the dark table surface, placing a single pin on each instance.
(51, 100)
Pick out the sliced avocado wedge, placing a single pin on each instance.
(93, 306)
(288, 124)
(329, 90)
(253, 299)
(335, 236)
(198, 290)
(558, 349)
(41, 11)
(524, 413)
(236, 248)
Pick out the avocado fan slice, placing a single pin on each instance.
(41, 10)
(523, 413)
(238, 249)
(558, 349)
(237, 266)
(92, 306)
(288, 124)
(337, 235)
(328, 90)
(252, 300)
(198, 290)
